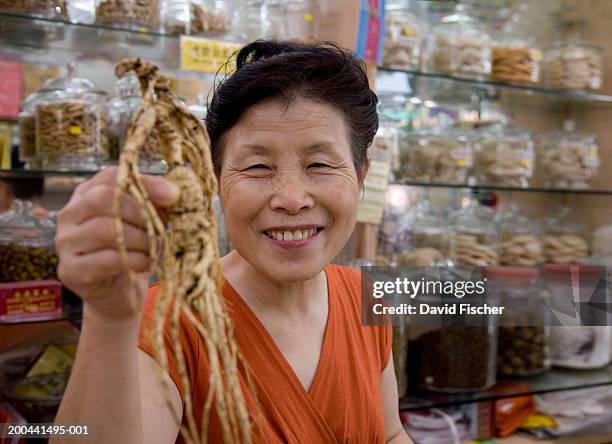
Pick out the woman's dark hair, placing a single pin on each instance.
(267, 69)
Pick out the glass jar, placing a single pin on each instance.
(116, 110)
(474, 237)
(519, 238)
(197, 17)
(577, 346)
(567, 158)
(404, 34)
(27, 245)
(280, 19)
(459, 45)
(564, 241)
(523, 334)
(27, 132)
(515, 59)
(431, 231)
(454, 358)
(82, 11)
(504, 157)
(51, 9)
(140, 15)
(151, 159)
(438, 155)
(573, 63)
(71, 121)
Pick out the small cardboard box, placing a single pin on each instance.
(30, 301)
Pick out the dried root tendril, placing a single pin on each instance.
(190, 271)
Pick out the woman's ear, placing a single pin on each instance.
(365, 168)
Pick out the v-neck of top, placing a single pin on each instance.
(326, 346)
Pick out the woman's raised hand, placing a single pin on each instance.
(90, 263)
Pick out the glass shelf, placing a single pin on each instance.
(43, 41)
(524, 95)
(17, 172)
(554, 380)
(503, 188)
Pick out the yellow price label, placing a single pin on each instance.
(461, 162)
(205, 55)
(75, 130)
(308, 17)
(408, 31)
(525, 162)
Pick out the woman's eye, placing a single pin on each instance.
(258, 167)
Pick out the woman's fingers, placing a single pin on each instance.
(84, 270)
(99, 201)
(100, 233)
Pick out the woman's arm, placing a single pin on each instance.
(394, 430)
(114, 389)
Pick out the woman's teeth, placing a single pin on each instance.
(291, 235)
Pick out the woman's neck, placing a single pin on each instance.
(263, 293)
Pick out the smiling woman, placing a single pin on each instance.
(289, 134)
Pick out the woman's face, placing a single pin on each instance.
(289, 188)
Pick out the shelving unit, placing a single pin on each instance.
(29, 40)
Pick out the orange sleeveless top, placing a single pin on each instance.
(343, 404)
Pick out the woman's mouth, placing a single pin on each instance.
(292, 238)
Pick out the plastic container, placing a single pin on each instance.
(50, 9)
(520, 239)
(565, 240)
(27, 245)
(567, 158)
(27, 132)
(439, 155)
(197, 17)
(573, 346)
(404, 35)
(37, 398)
(474, 237)
(459, 45)
(71, 121)
(139, 15)
(573, 63)
(504, 157)
(524, 334)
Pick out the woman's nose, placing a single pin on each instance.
(291, 193)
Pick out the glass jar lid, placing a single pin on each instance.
(20, 226)
(475, 219)
(71, 83)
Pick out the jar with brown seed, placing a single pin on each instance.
(71, 124)
(27, 250)
(523, 333)
(197, 17)
(474, 237)
(139, 15)
(431, 231)
(567, 158)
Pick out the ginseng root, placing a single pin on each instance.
(190, 272)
